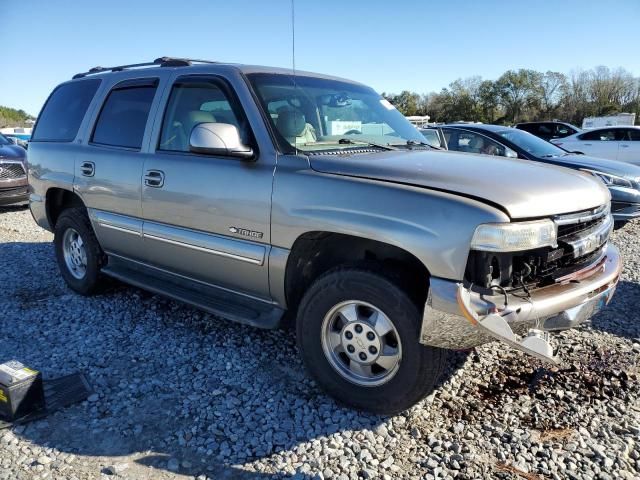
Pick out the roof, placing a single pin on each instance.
(477, 126)
(199, 66)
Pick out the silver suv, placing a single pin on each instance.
(250, 192)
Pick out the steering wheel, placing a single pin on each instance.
(353, 132)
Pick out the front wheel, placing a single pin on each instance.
(358, 334)
(77, 250)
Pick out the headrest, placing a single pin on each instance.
(194, 117)
(290, 123)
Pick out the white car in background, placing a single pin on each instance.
(620, 143)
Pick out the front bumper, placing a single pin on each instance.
(555, 307)
(625, 203)
(13, 195)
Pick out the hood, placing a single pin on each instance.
(12, 152)
(524, 189)
(614, 167)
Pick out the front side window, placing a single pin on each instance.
(62, 115)
(634, 134)
(124, 115)
(194, 101)
(471, 142)
(605, 135)
(318, 114)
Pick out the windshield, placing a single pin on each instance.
(532, 144)
(315, 114)
(4, 140)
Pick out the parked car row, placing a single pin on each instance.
(622, 179)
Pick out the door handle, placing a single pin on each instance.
(588, 144)
(624, 146)
(154, 178)
(88, 169)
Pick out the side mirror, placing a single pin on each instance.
(219, 139)
(510, 153)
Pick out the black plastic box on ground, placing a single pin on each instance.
(21, 391)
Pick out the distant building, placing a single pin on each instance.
(419, 120)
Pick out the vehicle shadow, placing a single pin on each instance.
(171, 381)
(14, 208)
(621, 317)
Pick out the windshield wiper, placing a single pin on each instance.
(349, 141)
(411, 143)
(414, 143)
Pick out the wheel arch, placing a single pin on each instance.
(57, 200)
(315, 252)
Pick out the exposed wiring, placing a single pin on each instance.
(504, 292)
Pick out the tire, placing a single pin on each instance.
(418, 368)
(74, 223)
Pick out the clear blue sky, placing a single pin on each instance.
(390, 45)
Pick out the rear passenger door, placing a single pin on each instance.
(109, 165)
(206, 217)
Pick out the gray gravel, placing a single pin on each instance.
(180, 394)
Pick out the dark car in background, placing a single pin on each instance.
(13, 173)
(622, 179)
(548, 130)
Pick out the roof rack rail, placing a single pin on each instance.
(160, 61)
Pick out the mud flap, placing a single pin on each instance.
(536, 343)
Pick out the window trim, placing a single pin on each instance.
(127, 84)
(234, 101)
(98, 82)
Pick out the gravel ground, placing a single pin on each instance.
(180, 394)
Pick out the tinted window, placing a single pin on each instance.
(193, 102)
(634, 134)
(124, 116)
(605, 135)
(61, 116)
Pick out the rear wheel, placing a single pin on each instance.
(358, 334)
(77, 250)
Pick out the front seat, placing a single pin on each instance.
(293, 126)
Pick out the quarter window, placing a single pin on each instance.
(62, 115)
(124, 115)
(192, 102)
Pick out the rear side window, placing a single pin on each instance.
(123, 117)
(62, 115)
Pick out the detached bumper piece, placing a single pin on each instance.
(25, 397)
(458, 318)
(536, 343)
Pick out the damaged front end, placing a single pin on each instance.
(516, 296)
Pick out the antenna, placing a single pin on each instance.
(293, 55)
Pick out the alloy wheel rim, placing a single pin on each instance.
(361, 343)
(75, 253)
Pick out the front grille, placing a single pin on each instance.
(11, 171)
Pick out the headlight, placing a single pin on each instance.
(513, 237)
(610, 180)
